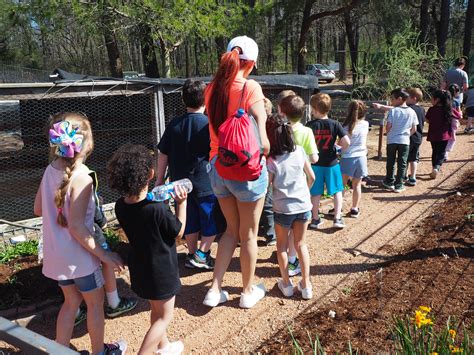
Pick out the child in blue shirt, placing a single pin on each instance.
(184, 149)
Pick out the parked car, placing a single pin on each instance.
(322, 72)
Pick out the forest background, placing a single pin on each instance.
(373, 41)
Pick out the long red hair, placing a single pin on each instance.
(219, 88)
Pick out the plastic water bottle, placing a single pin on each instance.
(163, 192)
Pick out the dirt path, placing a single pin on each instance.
(383, 228)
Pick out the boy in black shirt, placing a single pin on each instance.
(151, 230)
(184, 149)
(327, 170)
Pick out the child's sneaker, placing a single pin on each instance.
(434, 173)
(399, 189)
(202, 260)
(411, 181)
(126, 304)
(338, 223)
(174, 348)
(388, 186)
(250, 300)
(81, 315)
(117, 348)
(294, 268)
(187, 261)
(316, 223)
(270, 240)
(354, 213)
(306, 293)
(212, 298)
(286, 290)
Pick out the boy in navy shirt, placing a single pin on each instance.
(184, 149)
(327, 133)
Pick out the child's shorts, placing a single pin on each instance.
(354, 167)
(200, 215)
(244, 191)
(327, 175)
(413, 153)
(287, 220)
(86, 283)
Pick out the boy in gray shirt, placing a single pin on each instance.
(401, 124)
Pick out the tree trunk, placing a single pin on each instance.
(352, 40)
(320, 44)
(342, 56)
(196, 58)
(150, 63)
(165, 59)
(113, 52)
(188, 62)
(220, 47)
(468, 24)
(287, 39)
(305, 25)
(443, 26)
(424, 20)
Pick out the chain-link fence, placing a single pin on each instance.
(120, 112)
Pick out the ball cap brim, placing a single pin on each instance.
(248, 45)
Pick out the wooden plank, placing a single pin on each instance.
(30, 342)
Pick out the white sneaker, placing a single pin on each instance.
(212, 298)
(286, 290)
(306, 293)
(250, 300)
(174, 348)
(434, 173)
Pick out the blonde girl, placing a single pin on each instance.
(71, 255)
(354, 158)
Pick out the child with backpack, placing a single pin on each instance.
(184, 149)
(291, 176)
(326, 132)
(71, 255)
(152, 231)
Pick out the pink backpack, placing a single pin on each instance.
(240, 147)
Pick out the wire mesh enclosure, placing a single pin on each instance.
(119, 112)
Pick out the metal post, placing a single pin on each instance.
(30, 342)
(159, 123)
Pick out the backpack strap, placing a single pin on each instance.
(242, 95)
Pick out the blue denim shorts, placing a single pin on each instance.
(354, 167)
(287, 220)
(200, 215)
(244, 191)
(86, 283)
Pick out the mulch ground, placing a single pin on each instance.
(437, 271)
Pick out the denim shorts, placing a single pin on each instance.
(87, 283)
(244, 191)
(354, 167)
(287, 220)
(200, 215)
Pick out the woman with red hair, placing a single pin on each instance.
(241, 201)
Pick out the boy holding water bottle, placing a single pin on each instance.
(184, 150)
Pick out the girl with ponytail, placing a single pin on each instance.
(440, 117)
(354, 158)
(71, 255)
(241, 201)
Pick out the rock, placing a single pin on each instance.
(458, 193)
(332, 314)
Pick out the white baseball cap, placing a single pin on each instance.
(248, 45)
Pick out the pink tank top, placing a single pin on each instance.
(64, 256)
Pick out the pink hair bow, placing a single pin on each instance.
(66, 140)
